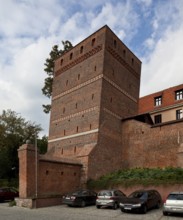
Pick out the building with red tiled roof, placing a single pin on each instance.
(163, 106)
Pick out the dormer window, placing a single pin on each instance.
(179, 94)
(158, 101)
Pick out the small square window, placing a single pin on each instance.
(158, 101)
(179, 94)
(157, 119)
(179, 114)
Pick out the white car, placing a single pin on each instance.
(173, 203)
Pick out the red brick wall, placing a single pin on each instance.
(146, 146)
(54, 176)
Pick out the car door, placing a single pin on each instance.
(150, 200)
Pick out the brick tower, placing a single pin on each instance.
(95, 85)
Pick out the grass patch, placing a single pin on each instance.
(139, 176)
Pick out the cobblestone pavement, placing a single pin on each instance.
(70, 213)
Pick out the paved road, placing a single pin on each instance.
(69, 213)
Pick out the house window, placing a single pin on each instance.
(179, 114)
(158, 101)
(157, 119)
(179, 94)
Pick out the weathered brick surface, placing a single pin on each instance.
(146, 146)
(54, 176)
(92, 91)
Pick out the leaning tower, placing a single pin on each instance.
(95, 85)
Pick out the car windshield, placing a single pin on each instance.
(175, 197)
(105, 193)
(77, 193)
(138, 195)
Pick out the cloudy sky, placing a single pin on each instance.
(152, 29)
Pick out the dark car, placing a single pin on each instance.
(109, 198)
(8, 193)
(81, 198)
(141, 200)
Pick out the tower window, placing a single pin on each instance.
(95, 68)
(76, 105)
(132, 61)
(158, 101)
(78, 76)
(124, 53)
(90, 126)
(115, 43)
(62, 151)
(111, 100)
(63, 110)
(93, 42)
(92, 96)
(61, 62)
(81, 49)
(64, 132)
(66, 82)
(77, 129)
(71, 56)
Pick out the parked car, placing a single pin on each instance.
(109, 198)
(8, 193)
(81, 198)
(141, 200)
(173, 203)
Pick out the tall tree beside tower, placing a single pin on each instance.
(49, 69)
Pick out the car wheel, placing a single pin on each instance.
(83, 203)
(115, 206)
(98, 206)
(165, 213)
(123, 210)
(144, 209)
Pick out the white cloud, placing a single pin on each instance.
(164, 67)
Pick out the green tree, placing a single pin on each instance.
(14, 131)
(42, 144)
(49, 69)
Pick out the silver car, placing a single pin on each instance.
(109, 198)
(173, 203)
